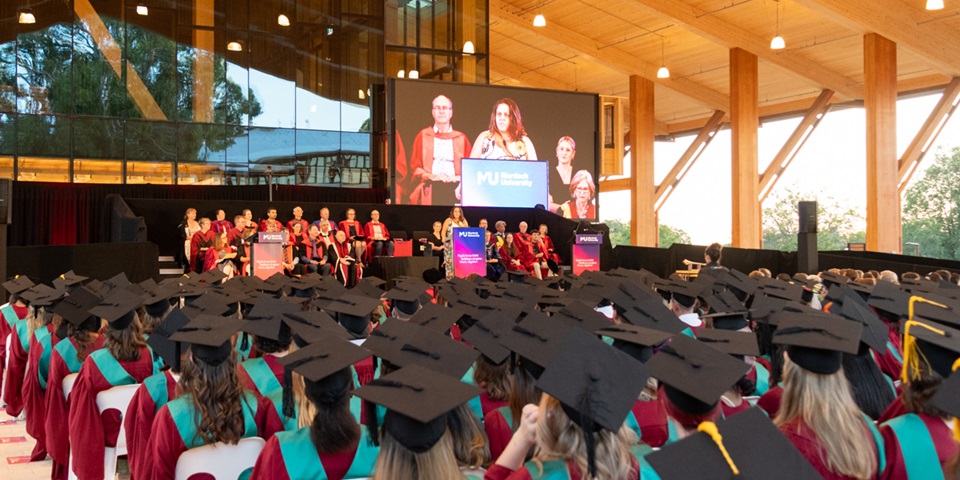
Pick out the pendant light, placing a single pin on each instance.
(143, 10)
(26, 17)
(777, 43)
(540, 20)
(283, 20)
(663, 72)
(934, 4)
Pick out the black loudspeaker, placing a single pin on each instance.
(808, 217)
(808, 260)
(6, 209)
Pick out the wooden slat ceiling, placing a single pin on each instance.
(594, 46)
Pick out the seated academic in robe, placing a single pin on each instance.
(313, 252)
(221, 224)
(343, 257)
(213, 407)
(271, 224)
(378, 238)
(330, 443)
(298, 219)
(201, 242)
(355, 233)
(495, 266)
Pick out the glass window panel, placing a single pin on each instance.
(272, 145)
(199, 174)
(98, 137)
(233, 103)
(6, 167)
(151, 52)
(45, 64)
(238, 149)
(317, 59)
(362, 55)
(98, 68)
(355, 159)
(8, 76)
(151, 140)
(43, 136)
(8, 134)
(97, 171)
(202, 77)
(264, 15)
(272, 82)
(202, 143)
(317, 152)
(33, 169)
(155, 173)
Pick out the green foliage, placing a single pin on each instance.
(931, 211)
(670, 235)
(619, 232)
(836, 225)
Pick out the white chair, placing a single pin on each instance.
(116, 398)
(68, 382)
(222, 461)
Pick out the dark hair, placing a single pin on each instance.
(745, 386)
(917, 394)
(493, 378)
(216, 394)
(81, 336)
(871, 392)
(267, 345)
(523, 392)
(125, 344)
(333, 427)
(714, 251)
(515, 130)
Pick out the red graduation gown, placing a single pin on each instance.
(90, 431)
(154, 393)
(805, 440)
(271, 466)
(943, 441)
(499, 430)
(249, 382)
(200, 239)
(651, 417)
(770, 401)
(5, 329)
(488, 405)
(55, 421)
(166, 445)
(348, 273)
(498, 472)
(34, 401)
(16, 370)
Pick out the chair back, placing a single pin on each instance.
(116, 398)
(219, 460)
(68, 382)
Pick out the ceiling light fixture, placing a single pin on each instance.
(235, 47)
(540, 20)
(468, 48)
(934, 4)
(283, 20)
(401, 74)
(663, 72)
(26, 17)
(777, 43)
(143, 10)
(413, 74)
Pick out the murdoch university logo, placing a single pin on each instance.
(468, 234)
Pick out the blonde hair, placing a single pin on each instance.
(824, 404)
(560, 438)
(396, 462)
(469, 443)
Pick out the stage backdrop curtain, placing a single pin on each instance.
(71, 213)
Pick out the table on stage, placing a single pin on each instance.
(389, 268)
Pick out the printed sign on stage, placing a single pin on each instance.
(270, 237)
(469, 255)
(267, 259)
(586, 253)
(503, 183)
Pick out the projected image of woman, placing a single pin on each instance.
(582, 191)
(505, 139)
(561, 173)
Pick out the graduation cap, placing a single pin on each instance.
(435, 351)
(764, 309)
(160, 342)
(517, 276)
(70, 279)
(587, 380)
(727, 312)
(118, 309)
(831, 279)
(740, 283)
(730, 342)
(874, 330)
(947, 399)
(579, 314)
(156, 297)
(695, 375)
(266, 318)
(405, 295)
(890, 298)
(433, 276)
(322, 359)
(652, 313)
(417, 400)
(17, 284)
(485, 336)
(536, 339)
(745, 446)
(387, 339)
(210, 277)
(305, 285)
(75, 308)
(436, 317)
(638, 342)
(119, 280)
(206, 304)
(934, 345)
(353, 312)
(313, 326)
(816, 342)
(40, 292)
(209, 338)
(780, 289)
(684, 293)
(274, 283)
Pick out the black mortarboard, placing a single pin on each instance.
(889, 298)
(211, 277)
(943, 310)
(266, 318)
(119, 308)
(160, 341)
(304, 286)
(587, 380)
(947, 398)
(581, 315)
(17, 284)
(69, 279)
(367, 290)
(353, 312)
(755, 446)
(209, 337)
(536, 338)
(650, 312)
(741, 283)
(638, 342)
(405, 295)
(939, 347)
(436, 317)
(75, 308)
(313, 326)
(45, 296)
(831, 279)
(695, 374)
(765, 309)
(119, 280)
(874, 330)
(206, 304)
(417, 400)
(730, 342)
(435, 351)
(485, 336)
(156, 297)
(274, 283)
(387, 339)
(684, 293)
(30, 295)
(816, 342)
(518, 276)
(781, 289)
(322, 359)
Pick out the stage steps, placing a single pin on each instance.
(169, 267)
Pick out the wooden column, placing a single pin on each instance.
(880, 100)
(643, 219)
(203, 61)
(744, 121)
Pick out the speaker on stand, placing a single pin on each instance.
(807, 260)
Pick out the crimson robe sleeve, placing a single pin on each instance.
(87, 437)
(136, 426)
(33, 394)
(55, 421)
(498, 433)
(267, 419)
(194, 250)
(896, 464)
(770, 401)
(13, 381)
(164, 448)
(270, 464)
(4, 331)
(499, 472)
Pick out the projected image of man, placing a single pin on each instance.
(435, 157)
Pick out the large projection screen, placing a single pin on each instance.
(435, 125)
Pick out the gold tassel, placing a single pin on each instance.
(956, 421)
(710, 429)
(911, 354)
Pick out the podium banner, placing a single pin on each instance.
(469, 252)
(586, 253)
(267, 259)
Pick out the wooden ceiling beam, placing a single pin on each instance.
(729, 35)
(527, 76)
(902, 23)
(928, 133)
(613, 57)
